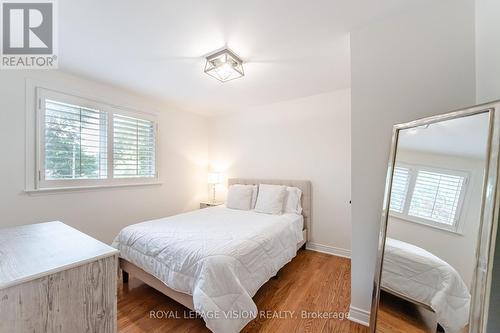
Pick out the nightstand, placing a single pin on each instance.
(206, 204)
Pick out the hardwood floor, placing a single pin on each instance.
(399, 316)
(316, 283)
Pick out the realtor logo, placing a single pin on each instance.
(28, 32)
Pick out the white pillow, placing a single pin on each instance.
(255, 190)
(239, 197)
(292, 200)
(270, 199)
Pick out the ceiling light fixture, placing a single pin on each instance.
(224, 65)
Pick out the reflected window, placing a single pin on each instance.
(400, 183)
(436, 196)
(428, 196)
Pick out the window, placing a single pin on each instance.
(75, 142)
(428, 196)
(133, 142)
(85, 143)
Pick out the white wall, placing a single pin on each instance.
(101, 213)
(487, 50)
(415, 64)
(306, 138)
(459, 250)
(488, 89)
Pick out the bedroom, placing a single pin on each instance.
(324, 83)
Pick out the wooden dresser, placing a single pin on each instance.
(53, 278)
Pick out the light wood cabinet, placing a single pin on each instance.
(54, 278)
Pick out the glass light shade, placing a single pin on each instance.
(224, 66)
(214, 178)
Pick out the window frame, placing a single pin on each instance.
(457, 226)
(42, 184)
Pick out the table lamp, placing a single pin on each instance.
(214, 178)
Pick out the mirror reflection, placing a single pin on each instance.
(433, 227)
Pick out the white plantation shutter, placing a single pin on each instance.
(400, 182)
(428, 195)
(75, 142)
(436, 196)
(85, 143)
(133, 147)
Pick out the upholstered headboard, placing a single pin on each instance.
(304, 185)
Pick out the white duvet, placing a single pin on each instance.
(220, 256)
(413, 272)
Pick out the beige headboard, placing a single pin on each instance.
(304, 185)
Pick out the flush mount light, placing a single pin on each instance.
(224, 65)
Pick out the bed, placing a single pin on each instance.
(215, 259)
(420, 277)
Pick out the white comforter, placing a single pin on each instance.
(220, 256)
(413, 272)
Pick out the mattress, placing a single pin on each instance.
(421, 276)
(218, 255)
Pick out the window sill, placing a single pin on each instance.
(42, 191)
(407, 219)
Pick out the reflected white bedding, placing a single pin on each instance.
(220, 256)
(415, 273)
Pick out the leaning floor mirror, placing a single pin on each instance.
(435, 263)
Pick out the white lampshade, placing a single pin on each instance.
(214, 178)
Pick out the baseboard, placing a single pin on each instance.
(328, 250)
(359, 316)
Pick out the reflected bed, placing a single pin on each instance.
(417, 275)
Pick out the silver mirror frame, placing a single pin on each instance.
(489, 214)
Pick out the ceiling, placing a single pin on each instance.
(465, 136)
(291, 48)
